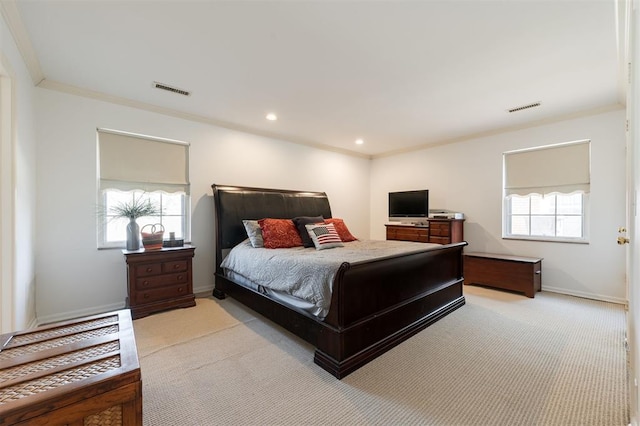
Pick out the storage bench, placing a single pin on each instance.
(515, 273)
(79, 372)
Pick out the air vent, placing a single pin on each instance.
(170, 89)
(520, 108)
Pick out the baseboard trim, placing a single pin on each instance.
(63, 316)
(199, 291)
(32, 324)
(585, 295)
(204, 290)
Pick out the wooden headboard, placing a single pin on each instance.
(233, 204)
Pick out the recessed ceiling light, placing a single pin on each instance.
(272, 117)
(359, 141)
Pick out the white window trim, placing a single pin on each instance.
(103, 220)
(506, 222)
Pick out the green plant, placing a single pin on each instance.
(137, 207)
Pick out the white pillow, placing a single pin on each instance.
(254, 233)
(324, 235)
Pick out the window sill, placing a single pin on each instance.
(123, 246)
(548, 239)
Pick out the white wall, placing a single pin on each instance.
(467, 177)
(23, 181)
(74, 278)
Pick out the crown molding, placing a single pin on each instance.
(92, 94)
(501, 130)
(11, 14)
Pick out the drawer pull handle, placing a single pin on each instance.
(180, 290)
(180, 277)
(145, 282)
(176, 266)
(538, 272)
(146, 295)
(149, 269)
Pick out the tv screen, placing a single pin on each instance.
(409, 203)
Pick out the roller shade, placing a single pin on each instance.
(127, 162)
(563, 168)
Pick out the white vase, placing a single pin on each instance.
(133, 235)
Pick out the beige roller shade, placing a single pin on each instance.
(563, 168)
(128, 161)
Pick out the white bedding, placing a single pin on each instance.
(307, 273)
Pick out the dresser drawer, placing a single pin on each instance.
(407, 233)
(439, 240)
(440, 229)
(174, 266)
(162, 293)
(410, 234)
(148, 269)
(161, 280)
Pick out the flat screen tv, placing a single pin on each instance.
(409, 206)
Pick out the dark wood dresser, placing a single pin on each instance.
(159, 279)
(515, 273)
(79, 372)
(440, 231)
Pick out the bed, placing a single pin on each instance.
(375, 304)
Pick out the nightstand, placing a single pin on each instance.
(159, 279)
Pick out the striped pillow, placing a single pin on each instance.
(324, 235)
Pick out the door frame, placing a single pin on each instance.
(7, 196)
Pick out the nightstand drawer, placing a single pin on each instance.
(148, 269)
(175, 266)
(161, 280)
(161, 293)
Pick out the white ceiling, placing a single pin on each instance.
(398, 74)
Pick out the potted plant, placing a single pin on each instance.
(138, 207)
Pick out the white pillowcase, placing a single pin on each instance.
(324, 235)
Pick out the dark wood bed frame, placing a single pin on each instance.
(375, 305)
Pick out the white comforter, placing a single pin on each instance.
(307, 273)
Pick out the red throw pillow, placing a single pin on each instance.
(279, 233)
(342, 229)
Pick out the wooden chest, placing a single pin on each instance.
(79, 372)
(159, 279)
(515, 273)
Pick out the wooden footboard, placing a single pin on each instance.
(375, 305)
(378, 304)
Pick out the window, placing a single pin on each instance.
(546, 192)
(132, 167)
(556, 215)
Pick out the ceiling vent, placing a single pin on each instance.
(520, 108)
(170, 89)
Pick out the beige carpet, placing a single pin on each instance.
(502, 359)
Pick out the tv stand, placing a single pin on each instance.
(440, 231)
